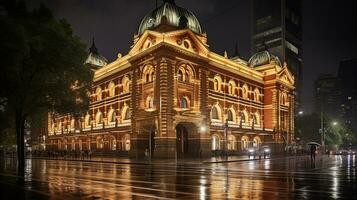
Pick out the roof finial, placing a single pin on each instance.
(93, 48)
(225, 54)
(236, 52)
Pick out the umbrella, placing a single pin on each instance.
(313, 143)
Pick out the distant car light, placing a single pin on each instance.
(266, 150)
(251, 150)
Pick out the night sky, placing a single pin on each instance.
(329, 35)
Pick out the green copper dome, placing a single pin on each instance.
(175, 15)
(263, 58)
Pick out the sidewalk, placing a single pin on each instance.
(124, 160)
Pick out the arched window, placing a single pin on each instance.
(215, 143)
(53, 127)
(215, 113)
(100, 143)
(126, 141)
(149, 102)
(187, 77)
(256, 95)
(60, 126)
(73, 122)
(111, 116)
(284, 99)
(98, 93)
(216, 85)
(231, 144)
(87, 121)
(113, 144)
(180, 75)
(99, 118)
(111, 89)
(244, 142)
(231, 87)
(256, 142)
(148, 74)
(126, 84)
(230, 116)
(256, 119)
(184, 102)
(244, 117)
(127, 114)
(245, 91)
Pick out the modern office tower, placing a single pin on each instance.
(277, 27)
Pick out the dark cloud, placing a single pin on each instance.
(328, 28)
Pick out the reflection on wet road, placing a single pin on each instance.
(281, 178)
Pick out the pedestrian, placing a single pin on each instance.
(313, 152)
(90, 154)
(147, 154)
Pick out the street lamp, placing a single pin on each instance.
(323, 133)
(203, 129)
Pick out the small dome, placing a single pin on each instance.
(175, 15)
(263, 58)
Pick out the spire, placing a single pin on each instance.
(236, 51)
(93, 48)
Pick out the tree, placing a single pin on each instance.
(42, 66)
(307, 128)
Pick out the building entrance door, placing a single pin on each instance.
(181, 141)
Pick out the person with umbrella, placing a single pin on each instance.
(313, 146)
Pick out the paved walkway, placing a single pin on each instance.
(124, 160)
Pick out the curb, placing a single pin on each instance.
(94, 161)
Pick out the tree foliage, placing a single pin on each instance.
(307, 128)
(41, 65)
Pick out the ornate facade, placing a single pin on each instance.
(175, 97)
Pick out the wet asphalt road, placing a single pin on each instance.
(281, 178)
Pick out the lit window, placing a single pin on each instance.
(180, 75)
(214, 113)
(126, 84)
(230, 116)
(215, 143)
(127, 114)
(99, 118)
(184, 103)
(149, 102)
(98, 93)
(112, 116)
(87, 121)
(111, 88)
(231, 143)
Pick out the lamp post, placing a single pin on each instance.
(226, 139)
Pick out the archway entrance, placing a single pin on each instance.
(181, 141)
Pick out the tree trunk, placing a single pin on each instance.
(20, 129)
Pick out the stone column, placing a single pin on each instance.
(135, 147)
(205, 136)
(165, 140)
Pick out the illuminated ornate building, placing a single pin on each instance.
(172, 95)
